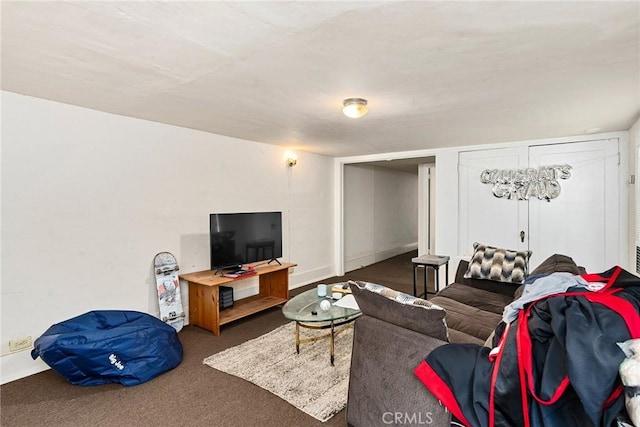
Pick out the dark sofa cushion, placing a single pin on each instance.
(400, 309)
(472, 313)
(504, 288)
(459, 337)
(481, 299)
(381, 379)
(555, 264)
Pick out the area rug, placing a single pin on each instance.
(306, 380)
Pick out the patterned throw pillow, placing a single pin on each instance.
(397, 296)
(498, 264)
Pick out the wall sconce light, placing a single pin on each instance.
(354, 107)
(292, 160)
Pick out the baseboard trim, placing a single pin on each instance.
(371, 258)
(302, 279)
(19, 365)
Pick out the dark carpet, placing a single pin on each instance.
(396, 273)
(192, 394)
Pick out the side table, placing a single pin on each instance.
(425, 261)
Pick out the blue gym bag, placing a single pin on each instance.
(109, 346)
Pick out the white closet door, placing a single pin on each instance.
(583, 221)
(484, 217)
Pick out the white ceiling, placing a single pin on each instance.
(436, 74)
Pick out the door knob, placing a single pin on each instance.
(522, 236)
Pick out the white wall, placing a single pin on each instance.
(446, 208)
(634, 142)
(88, 199)
(447, 193)
(381, 214)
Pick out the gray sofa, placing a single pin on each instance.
(396, 332)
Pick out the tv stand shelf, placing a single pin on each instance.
(204, 303)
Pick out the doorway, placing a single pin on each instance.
(387, 209)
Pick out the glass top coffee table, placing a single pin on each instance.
(306, 311)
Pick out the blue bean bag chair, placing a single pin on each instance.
(109, 346)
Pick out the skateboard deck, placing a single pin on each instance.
(168, 287)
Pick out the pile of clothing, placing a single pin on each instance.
(555, 356)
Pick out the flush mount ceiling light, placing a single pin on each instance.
(354, 107)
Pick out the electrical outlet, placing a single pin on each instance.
(20, 344)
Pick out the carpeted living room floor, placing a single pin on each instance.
(191, 394)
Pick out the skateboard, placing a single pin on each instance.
(168, 287)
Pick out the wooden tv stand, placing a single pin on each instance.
(204, 303)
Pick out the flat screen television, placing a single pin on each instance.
(243, 238)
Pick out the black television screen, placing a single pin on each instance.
(243, 238)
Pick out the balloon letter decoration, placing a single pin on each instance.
(522, 184)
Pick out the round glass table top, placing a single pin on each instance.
(301, 308)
